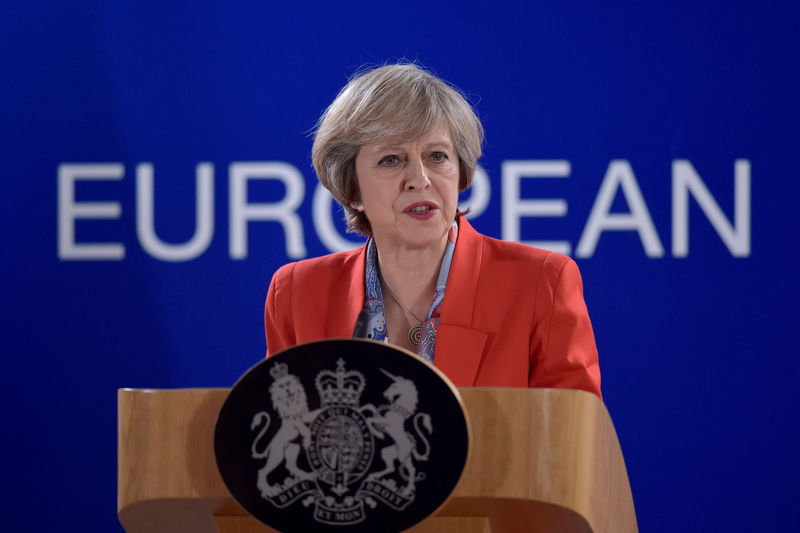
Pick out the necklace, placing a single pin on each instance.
(415, 331)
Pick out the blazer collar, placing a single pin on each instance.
(351, 293)
(459, 346)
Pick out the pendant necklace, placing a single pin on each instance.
(414, 332)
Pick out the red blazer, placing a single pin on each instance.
(512, 315)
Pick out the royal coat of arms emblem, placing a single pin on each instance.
(339, 441)
(332, 445)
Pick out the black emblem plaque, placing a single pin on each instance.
(342, 435)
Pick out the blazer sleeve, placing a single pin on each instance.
(278, 320)
(564, 354)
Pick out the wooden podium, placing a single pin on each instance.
(542, 460)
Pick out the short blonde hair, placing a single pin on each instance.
(402, 101)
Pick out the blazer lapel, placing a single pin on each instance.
(351, 294)
(459, 346)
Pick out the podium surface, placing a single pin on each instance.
(541, 460)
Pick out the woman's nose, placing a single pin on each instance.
(416, 175)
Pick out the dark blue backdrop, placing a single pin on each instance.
(698, 353)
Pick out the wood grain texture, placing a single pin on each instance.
(541, 460)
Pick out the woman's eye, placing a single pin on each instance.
(389, 160)
(439, 156)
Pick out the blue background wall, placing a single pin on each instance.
(698, 353)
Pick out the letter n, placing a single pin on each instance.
(736, 236)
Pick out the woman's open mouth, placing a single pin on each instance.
(421, 211)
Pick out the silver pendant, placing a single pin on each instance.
(414, 335)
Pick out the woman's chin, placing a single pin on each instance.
(414, 235)
(422, 240)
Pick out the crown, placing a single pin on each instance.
(340, 387)
(278, 371)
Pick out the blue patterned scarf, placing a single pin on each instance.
(373, 298)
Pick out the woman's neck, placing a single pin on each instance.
(411, 275)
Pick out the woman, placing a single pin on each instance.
(395, 148)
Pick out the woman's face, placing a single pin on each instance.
(409, 190)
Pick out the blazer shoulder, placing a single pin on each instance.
(524, 255)
(315, 266)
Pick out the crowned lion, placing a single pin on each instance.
(290, 401)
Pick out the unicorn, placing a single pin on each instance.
(403, 398)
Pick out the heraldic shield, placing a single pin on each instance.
(342, 435)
